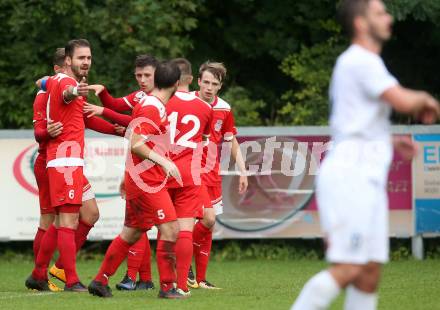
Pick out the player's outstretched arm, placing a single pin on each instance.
(420, 104)
(115, 104)
(74, 91)
(140, 149)
(92, 110)
(98, 124)
(238, 157)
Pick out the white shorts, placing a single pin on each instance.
(88, 194)
(218, 207)
(353, 211)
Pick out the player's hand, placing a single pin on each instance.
(405, 147)
(242, 184)
(83, 88)
(54, 129)
(120, 130)
(122, 189)
(171, 169)
(430, 112)
(92, 109)
(96, 88)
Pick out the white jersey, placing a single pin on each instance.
(351, 185)
(359, 121)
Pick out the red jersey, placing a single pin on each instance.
(190, 120)
(134, 98)
(67, 149)
(40, 122)
(149, 121)
(126, 103)
(222, 128)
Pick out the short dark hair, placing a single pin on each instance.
(350, 9)
(217, 69)
(166, 75)
(184, 65)
(145, 60)
(59, 57)
(72, 44)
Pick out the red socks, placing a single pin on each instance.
(202, 241)
(47, 248)
(145, 268)
(115, 255)
(67, 249)
(80, 238)
(37, 241)
(184, 252)
(166, 262)
(135, 256)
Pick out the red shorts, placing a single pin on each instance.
(214, 195)
(149, 209)
(187, 201)
(66, 187)
(43, 185)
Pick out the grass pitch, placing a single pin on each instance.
(250, 284)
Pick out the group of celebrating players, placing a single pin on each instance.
(171, 178)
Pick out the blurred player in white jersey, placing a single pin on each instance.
(351, 185)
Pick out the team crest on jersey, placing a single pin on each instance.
(139, 96)
(218, 125)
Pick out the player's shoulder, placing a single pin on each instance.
(221, 105)
(62, 77)
(40, 93)
(152, 102)
(191, 97)
(138, 94)
(357, 57)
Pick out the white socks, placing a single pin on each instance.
(318, 293)
(359, 300)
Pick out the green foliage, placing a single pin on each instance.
(279, 57)
(311, 69)
(118, 31)
(423, 10)
(246, 110)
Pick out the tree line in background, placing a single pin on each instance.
(279, 53)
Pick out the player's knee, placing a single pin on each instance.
(89, 212)
(46, 220)
(130, 235)
(169, 231)
(346, 274)
(369, 279)
(209, 220)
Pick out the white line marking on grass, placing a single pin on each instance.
(24, 295)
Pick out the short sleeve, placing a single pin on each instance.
(147, 121)
(374, 78)
(66, 82)
(228, 129)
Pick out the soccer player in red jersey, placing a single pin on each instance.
(89, 213)
(211, 77)
(65, 155)
(43, 131)
(145, 65)
(189, 125)
(139, 255)
(147, 200)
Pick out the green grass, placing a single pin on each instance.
(251, 284)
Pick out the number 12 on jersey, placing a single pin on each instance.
(184, 140)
